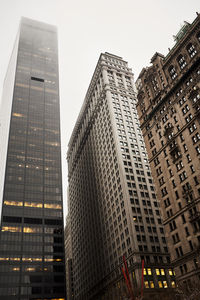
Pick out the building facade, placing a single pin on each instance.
(68, 260)
(32, 243)
(112, 203)
(169, 113)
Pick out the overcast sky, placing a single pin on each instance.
(132, 29)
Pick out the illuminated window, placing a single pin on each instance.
(157, 272)
(11, 229)
(171, 272)
(165, 284)
(145, 271)
(9, 258)
(4, 258)
(30, 269)
(17, 115)
(146, 284)
(160, 284)
(30, 259)
(52, 206)
(173, 284)
(151, 284)
(33, 204)
(32, 229)
(162, 272)
(16, 269)
(52, 259)
(14, 203)
(149, 272)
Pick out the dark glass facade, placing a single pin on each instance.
(32, 249)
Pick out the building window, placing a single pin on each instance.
(196, 180)
(195, 263)
(172, 72)
(196, 138)
(192, 128)
(191, 50)
(189, 118)
(164, 191)
(182, 100)
(187, 231)
(198, 149)
(183, 219)
(198, 36)
(183, 176)
(185, 109)
(181, 61)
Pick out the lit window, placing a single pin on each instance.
(4, 258)
(149, 272)
(157, 272)
(11, 229)
(162, 272)
(32, 229)
(173, 284)
(165, 284)
(146, 283)
(171, 272)
(54, 206)
(30, 269)
(151, 284)
(16, 269)
(52, 259)
(145, 271)
(14, 203)
(160, 284)
(17, 115)
(33, 204)
(30, 259)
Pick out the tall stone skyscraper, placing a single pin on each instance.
(169, 112)
(31, 238)
(112, 203)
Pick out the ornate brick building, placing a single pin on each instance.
(169, 113)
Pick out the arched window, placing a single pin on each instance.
(191, 50)
(181, 61)
(172, 72)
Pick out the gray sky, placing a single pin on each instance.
(132, 29)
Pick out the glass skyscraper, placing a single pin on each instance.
(31, 237)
